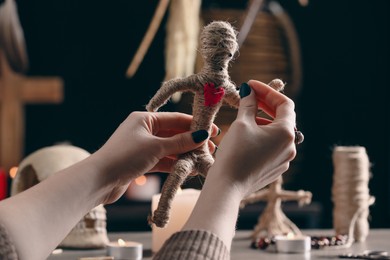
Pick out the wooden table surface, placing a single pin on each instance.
(378, 239)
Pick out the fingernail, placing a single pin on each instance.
(215, 151)
(245, 90)
(219, 131)
(200, 136)
(299, 137)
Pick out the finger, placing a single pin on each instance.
(172, 156)
(215, 131)
(212, 147)
(169, 121)
(164, 165)
(166, 124)
(170, 132)
(248, 104)
(274, 103)
(183, 142)
(266, 97)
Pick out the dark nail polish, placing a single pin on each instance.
(245, 90)
(200, 136)
(219, 131)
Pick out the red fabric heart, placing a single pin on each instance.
(212, 95)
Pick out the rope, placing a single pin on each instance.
(350, 193)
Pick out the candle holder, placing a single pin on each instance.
(128, 250)
(293, 244)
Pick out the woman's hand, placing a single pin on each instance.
(143, 142)
(255, 155)
(252, 154)
(147, 142)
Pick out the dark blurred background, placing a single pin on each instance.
(344, 98)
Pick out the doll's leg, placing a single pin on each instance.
(181, 170)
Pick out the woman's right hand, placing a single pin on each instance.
(254, 152)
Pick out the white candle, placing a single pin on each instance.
(125, 250)
(182, 206)
(292, 244)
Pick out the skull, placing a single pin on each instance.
(91, 231)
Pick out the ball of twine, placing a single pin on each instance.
(350, 192)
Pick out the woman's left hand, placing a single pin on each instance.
(147, 142)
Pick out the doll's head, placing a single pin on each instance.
(218, 45)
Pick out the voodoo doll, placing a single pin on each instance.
(211, 86)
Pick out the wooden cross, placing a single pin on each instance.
(273, 221)
(15, 91)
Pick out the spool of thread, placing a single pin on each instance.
(350, 192)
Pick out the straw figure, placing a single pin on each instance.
(273, 221)
(211, 86)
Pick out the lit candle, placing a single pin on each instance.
(143, 188)
(125, 250)
(182, 206)
(292, 244)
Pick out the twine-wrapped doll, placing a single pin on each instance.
(211, 86)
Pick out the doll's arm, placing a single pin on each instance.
(231, 96)
(303, 197)
(167, 90)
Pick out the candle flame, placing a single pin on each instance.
(140, 181)
(290, 235)
(13, 171)
(121, 242)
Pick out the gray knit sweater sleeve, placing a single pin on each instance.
(7, 248)
(193, 245)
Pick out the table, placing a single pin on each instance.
(378, 239)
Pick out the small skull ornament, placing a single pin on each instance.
(91, 231)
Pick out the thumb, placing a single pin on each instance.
(184, 142)
(248, 104)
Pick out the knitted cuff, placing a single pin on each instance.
(193, 245)
(7, 248)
